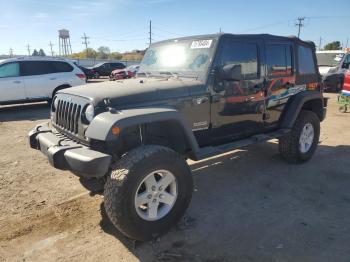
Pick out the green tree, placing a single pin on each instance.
(35, 53)
(87, 53)
(115, 56)
(103, 52)
(41, 52)
(335, 45)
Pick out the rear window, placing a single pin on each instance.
(60, 67)
(279, 59)
(306, 61)
(30, 68)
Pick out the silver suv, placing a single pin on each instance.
(36, 79)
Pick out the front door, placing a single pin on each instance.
(39, 79)
(11, 84)
(237, 106)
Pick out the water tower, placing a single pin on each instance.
(65, 47)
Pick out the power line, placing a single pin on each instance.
(300, 24)
(51, 44)
(85, 42)
(28, 49)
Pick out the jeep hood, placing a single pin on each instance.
(134, 91)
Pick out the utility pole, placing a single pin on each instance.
(85, 42)
(28, 48)
(300, 24)
(11, 52)
(347, 42)
(319, 44)
(150, 32)
(51, 45)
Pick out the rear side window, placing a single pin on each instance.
(244, 54)
(61, 67)
(279, 60)
(30, 68)
(9, 70)
(118, 65)
(306, 61)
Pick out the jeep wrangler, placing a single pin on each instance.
(194, 97)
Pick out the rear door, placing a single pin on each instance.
(237, 106)
(11, 83)
(39, 78)
(280, 79)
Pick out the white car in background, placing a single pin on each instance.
(328, 60)
(29, 79)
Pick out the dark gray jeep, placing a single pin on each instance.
(194, 97)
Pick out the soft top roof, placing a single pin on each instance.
(259, 36)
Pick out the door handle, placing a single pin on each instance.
(53, 78)
(200, 100)
(252, 98)
(215, 98)
(17, 82)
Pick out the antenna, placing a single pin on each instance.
(150, 32)
(300, 24)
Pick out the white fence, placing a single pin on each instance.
(91, 61)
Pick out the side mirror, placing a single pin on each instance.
(231, 72)
(346, 65)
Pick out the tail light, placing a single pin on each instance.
(81, 76)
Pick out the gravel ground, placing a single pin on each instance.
(248, 205)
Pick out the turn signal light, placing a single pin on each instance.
(115, 131)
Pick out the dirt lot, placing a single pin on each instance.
(248, 205)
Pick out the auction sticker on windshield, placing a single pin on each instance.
(201, 44)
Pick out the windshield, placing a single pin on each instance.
(178, 57)
(329, 59)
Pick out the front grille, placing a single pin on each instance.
(68, 115)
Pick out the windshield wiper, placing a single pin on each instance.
(178, 74)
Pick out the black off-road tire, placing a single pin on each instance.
(289, 143)
(124, 179)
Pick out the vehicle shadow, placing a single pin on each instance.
(253, 206)
(31, 112)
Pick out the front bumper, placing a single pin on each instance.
(65, 154)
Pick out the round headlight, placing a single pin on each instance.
(89, 113)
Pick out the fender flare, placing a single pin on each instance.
(101, 126)
(295, 105)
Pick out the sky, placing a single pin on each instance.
(123, 25)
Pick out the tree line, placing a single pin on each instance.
(103, 52)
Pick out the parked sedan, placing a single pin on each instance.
(106, 68)
(128, 72)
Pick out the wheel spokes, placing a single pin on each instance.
(153, 210)
(142, 199)
(166, 180)
(167, 198)
(150, 182)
